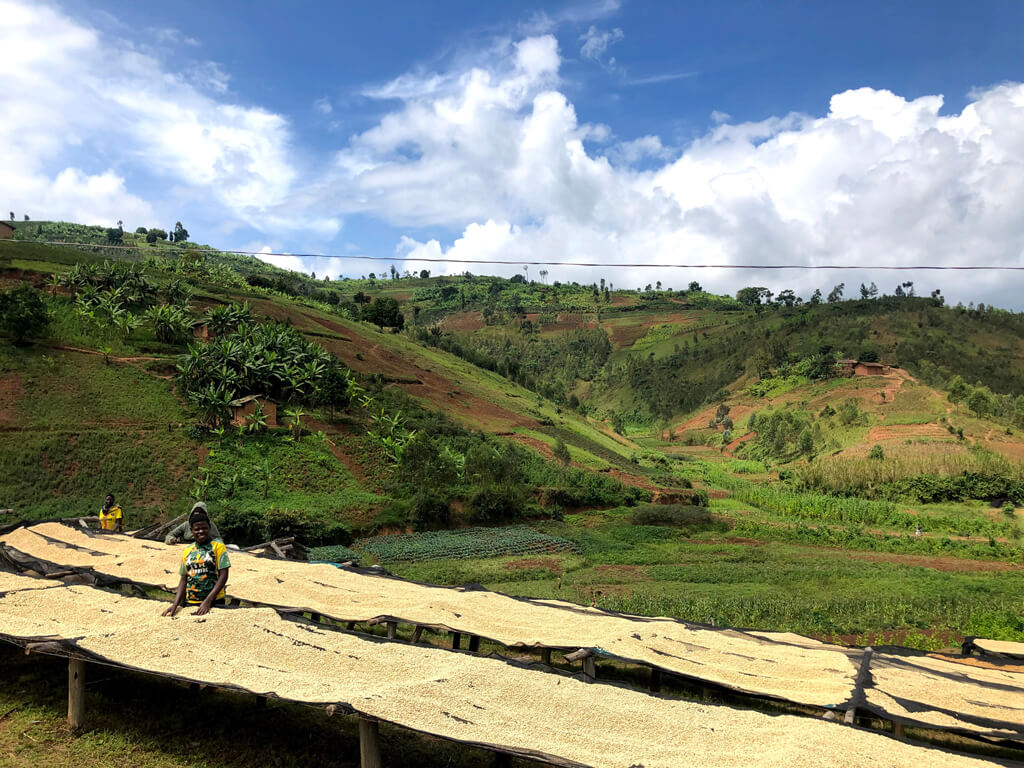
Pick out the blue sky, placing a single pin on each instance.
(615, 132)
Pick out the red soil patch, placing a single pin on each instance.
(463, 321)
(1009, 450)
(533, 444)
(739, 440)
(905, 431)
(737, 413)
(624, 336)
(717, 493)
(634, 571)
(535, 562)
(11, 391)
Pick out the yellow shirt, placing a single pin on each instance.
(109, 520)
(201, 564)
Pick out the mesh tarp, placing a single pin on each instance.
(778, 665)
(471, 699)
(758, 664)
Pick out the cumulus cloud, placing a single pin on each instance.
(876, 180)
(78, 106)
(596, 43)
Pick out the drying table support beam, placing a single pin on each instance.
(369, 743)
(76, 692)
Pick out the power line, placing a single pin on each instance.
(515, 262)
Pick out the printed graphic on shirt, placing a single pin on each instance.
(109, 518)
(200, 565)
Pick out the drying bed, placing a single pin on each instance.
(458, 696)
(806, 673)
(931, 693)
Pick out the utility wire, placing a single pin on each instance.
(516, 262)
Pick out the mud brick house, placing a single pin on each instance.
(241, 408)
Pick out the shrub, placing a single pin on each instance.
(876, 453)
(671, 514)
(496, 503)
(22, 313)
(430, 509)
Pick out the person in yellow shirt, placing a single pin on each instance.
(111, 516)
(204, 569)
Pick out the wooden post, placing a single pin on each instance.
(545, 656)
(897, 729)
(850, 715)
(392, 629)
(474, 643)
(456, 640)
(76, 692)
(590, 667)
(417, 633)
(369, 743)
(315, 618)
(655, 680)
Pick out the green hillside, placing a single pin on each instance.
(697, 455)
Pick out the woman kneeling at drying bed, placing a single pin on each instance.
(204, 569)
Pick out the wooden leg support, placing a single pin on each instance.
(456, 640)
(417, 633)
(76, 693)
(590, 667)
(474, 643)
(897, 730)
(369, 743)
(655, 680)
(392, 629)
(850, 715)
(545, 656)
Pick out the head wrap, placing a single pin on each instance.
(198, 514)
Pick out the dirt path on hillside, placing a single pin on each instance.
(334, 446)
(738, 442)
(11, 391)
(112, 358)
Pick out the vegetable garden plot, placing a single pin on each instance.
(468, 542)
(816, 675)
(471, 699)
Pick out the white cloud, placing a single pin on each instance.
(596, 42)
(323, 106)
(210, 76)
(662, 78)
(81, 109)
(498, 154)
